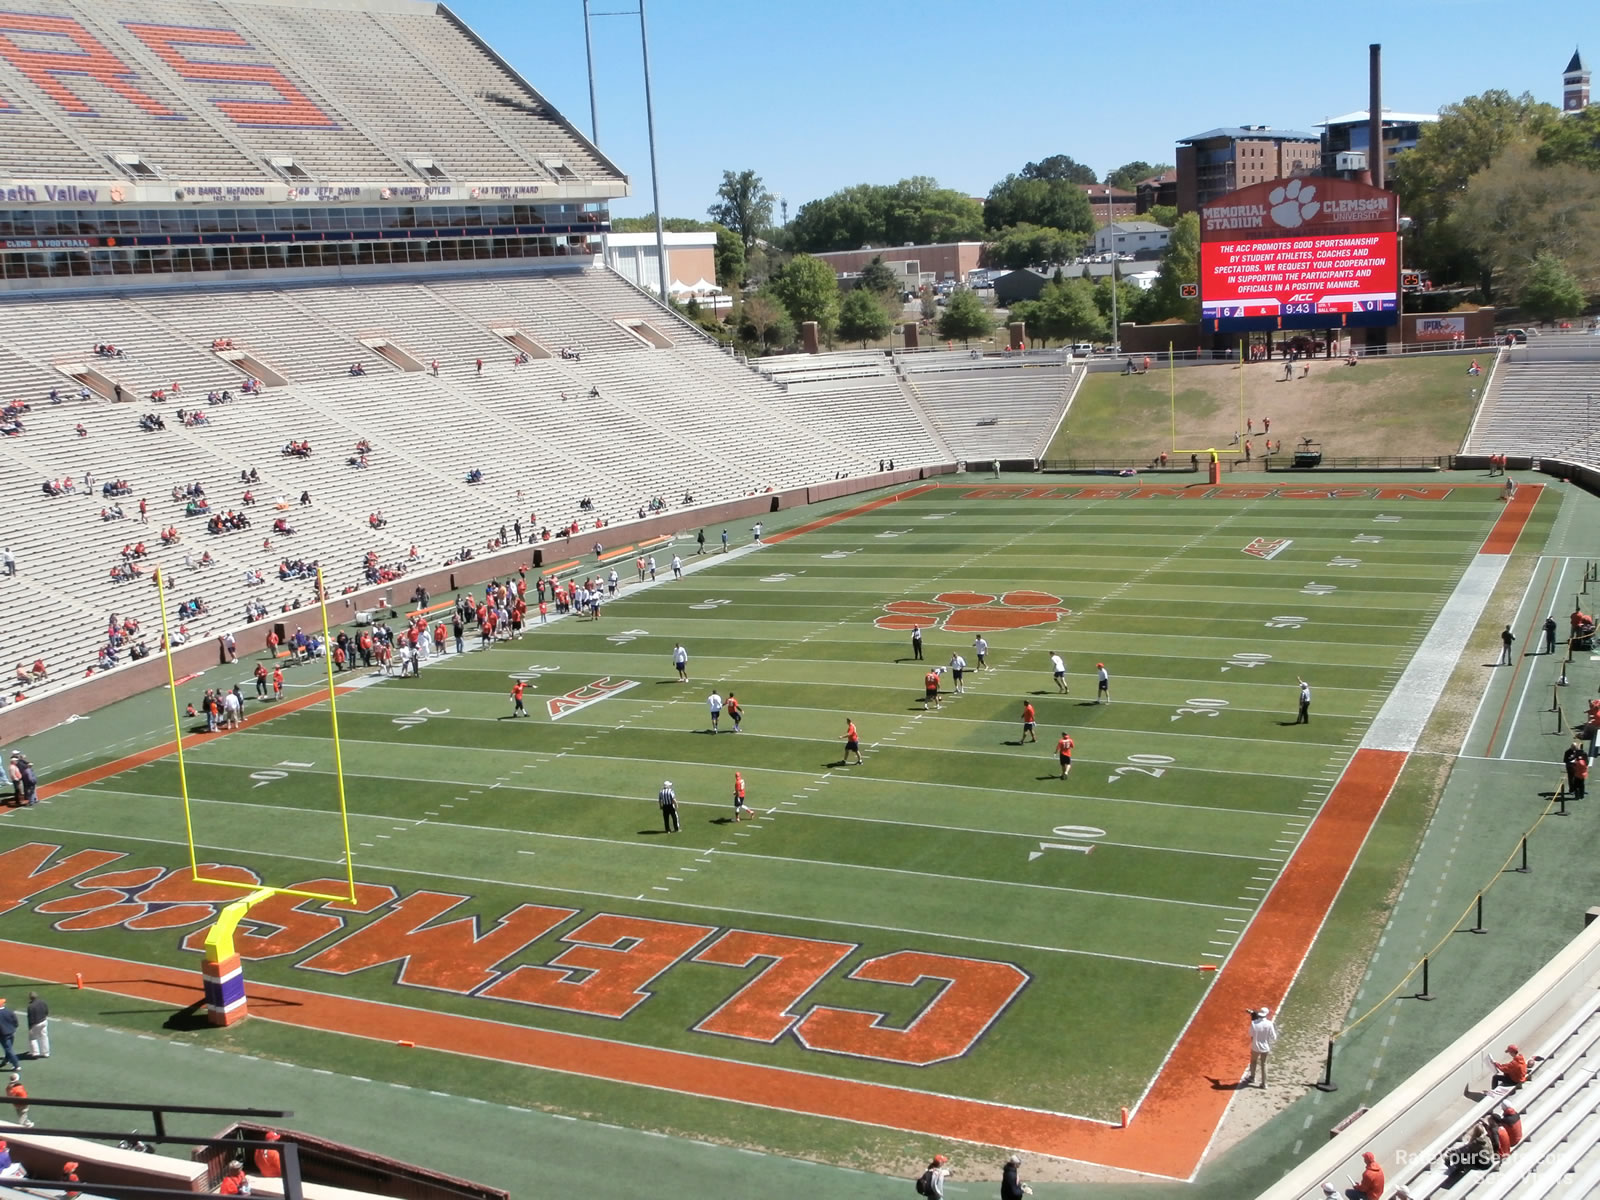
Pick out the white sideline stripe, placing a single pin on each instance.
(1399, 723)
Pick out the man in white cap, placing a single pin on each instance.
(1263, 1036)
(668, 800)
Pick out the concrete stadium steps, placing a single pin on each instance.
(156, 356)
(540, 308)
(187, 146)
(870, 411)
(1025, 403)
(290, 337)
(379, 88)
(462, 60)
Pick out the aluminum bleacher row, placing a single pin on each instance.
(1542, 406)
(982, 409)
(363, 93)
(1555, 1019)
(673, 415)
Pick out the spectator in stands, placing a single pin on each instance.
(8, 561)
(1512, 1073)
(1510, 1122)
(357, 369)
(1475, 1153)
(269, 1162)
(1370, 1186)
(234, 1182)
(305, 498)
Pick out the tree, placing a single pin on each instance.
(1070, 312)
(730, 258)
(762, 319)
(1130, 298)
(927, 302)
(1180, 264)
(1129, 175)
(1161, 214)
(1550, 290)
(915, 210)
(1052, 203)
(862, 317)
(1031, 245)
(808, 289)
(744, 205)
(880, 279)
(1432, 178)
(965, 317)
(1574, 140)
(1060, 167)
(1513, 211)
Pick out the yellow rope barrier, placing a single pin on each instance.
(1455, 926)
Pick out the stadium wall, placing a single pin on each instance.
(97, 691)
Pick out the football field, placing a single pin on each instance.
(946, 938)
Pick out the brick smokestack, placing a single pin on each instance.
(1375, 113)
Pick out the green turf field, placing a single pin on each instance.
(949, 917)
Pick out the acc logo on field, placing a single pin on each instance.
(589, 693)
(1268, 547)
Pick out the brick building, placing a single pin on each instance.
(1219, 161)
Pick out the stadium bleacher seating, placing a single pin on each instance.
(987, 410)
(1541, 405)
(351, 95)
(667, 419)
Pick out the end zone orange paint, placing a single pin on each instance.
(824, 522)
(1503, 537)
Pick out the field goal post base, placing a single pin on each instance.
(221, 973)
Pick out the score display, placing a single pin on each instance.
(1315, 282)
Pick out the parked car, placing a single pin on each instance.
(1521, 336)
(1082, 349)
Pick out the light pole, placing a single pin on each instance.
(1116, 343)
(650, 126)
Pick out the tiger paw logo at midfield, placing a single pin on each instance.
(145, 898)
(1294, 203)
(973, 612)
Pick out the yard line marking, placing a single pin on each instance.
(751, 912)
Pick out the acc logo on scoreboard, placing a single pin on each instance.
(1268, 547)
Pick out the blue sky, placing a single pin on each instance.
(821, 95)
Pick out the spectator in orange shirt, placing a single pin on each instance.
(1064, 752)
(234, 1182)
(852, 740)
(930, 690)
(277, 683)
(1511, 1073)
(1370, 1186)
(518, 709)
(18, 1095)
(269, 1162)
(1028, 734)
